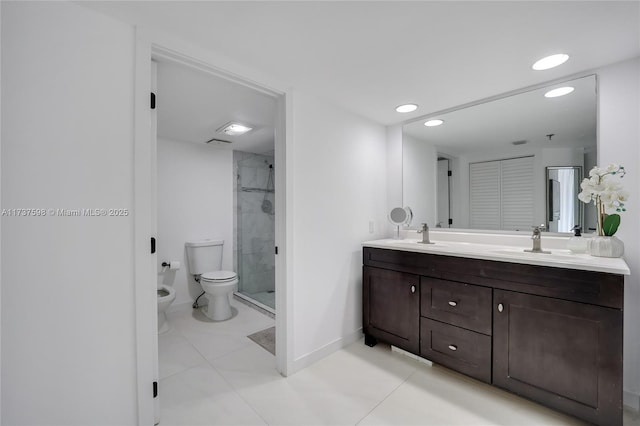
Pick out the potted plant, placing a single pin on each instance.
(604, 188)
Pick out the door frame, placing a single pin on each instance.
(151, 45)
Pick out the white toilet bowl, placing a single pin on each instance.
(166, 295)
(217, 287)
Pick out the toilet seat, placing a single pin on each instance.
(165, 292)
(219, 277)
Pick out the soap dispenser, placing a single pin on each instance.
(577, 244)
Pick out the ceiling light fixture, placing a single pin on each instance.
(550, 62)
(406, 108)
(560, 91)
(433, 123)
(234, 129)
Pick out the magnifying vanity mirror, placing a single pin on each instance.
(400, 216)
(505, 164)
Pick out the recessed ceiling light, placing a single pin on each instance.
(550, 62)
(433, 123)
(560, 91)
(407, 108)
(234, 129)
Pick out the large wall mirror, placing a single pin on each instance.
(489, 166)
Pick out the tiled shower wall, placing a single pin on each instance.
(254, 227)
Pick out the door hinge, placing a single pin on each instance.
(155, 389)
(153, 100)
(153, 245)
(449, 173)
(276, 249)
(450, 221)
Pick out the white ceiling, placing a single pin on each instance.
(192, 105)
(372, 56)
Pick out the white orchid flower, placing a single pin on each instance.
(604, 188)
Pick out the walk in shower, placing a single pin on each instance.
(255, 228)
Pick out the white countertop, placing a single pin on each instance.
(559, 258)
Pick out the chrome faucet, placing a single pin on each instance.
(425, 234)
(537, 240)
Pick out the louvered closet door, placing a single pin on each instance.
(501, 194)
(484, 195)
(517, 194)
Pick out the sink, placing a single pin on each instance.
(522, 253)
(417, 243)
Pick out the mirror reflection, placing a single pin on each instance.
(564, 210)
(485, 166)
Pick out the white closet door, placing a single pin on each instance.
(501, 194)
(484, 195)
(517, 194)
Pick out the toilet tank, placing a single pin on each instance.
(204, 256)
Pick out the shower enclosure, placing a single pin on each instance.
(255, 228)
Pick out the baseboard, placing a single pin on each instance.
(631, 400)
(315, 356)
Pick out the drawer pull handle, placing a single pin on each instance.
(413, 289)
(453, 347)
(453, 303)
(500, 307)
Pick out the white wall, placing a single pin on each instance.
(619, 136)
(195, 202)
(68, 329)
(339, 177)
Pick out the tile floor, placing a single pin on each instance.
(212, 374)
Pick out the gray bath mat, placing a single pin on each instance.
(266, 339)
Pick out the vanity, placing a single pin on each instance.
(546, 327)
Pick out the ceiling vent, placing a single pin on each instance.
(216, 140)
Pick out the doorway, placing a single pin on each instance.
(443, 194)
(146, 197)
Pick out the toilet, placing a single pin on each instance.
(205, 262)
(166, 295)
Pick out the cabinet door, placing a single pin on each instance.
(567, 355)
(391, 307)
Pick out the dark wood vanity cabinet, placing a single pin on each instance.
(552, 335)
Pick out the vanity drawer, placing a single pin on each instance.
(462, 350)
(464, 305)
